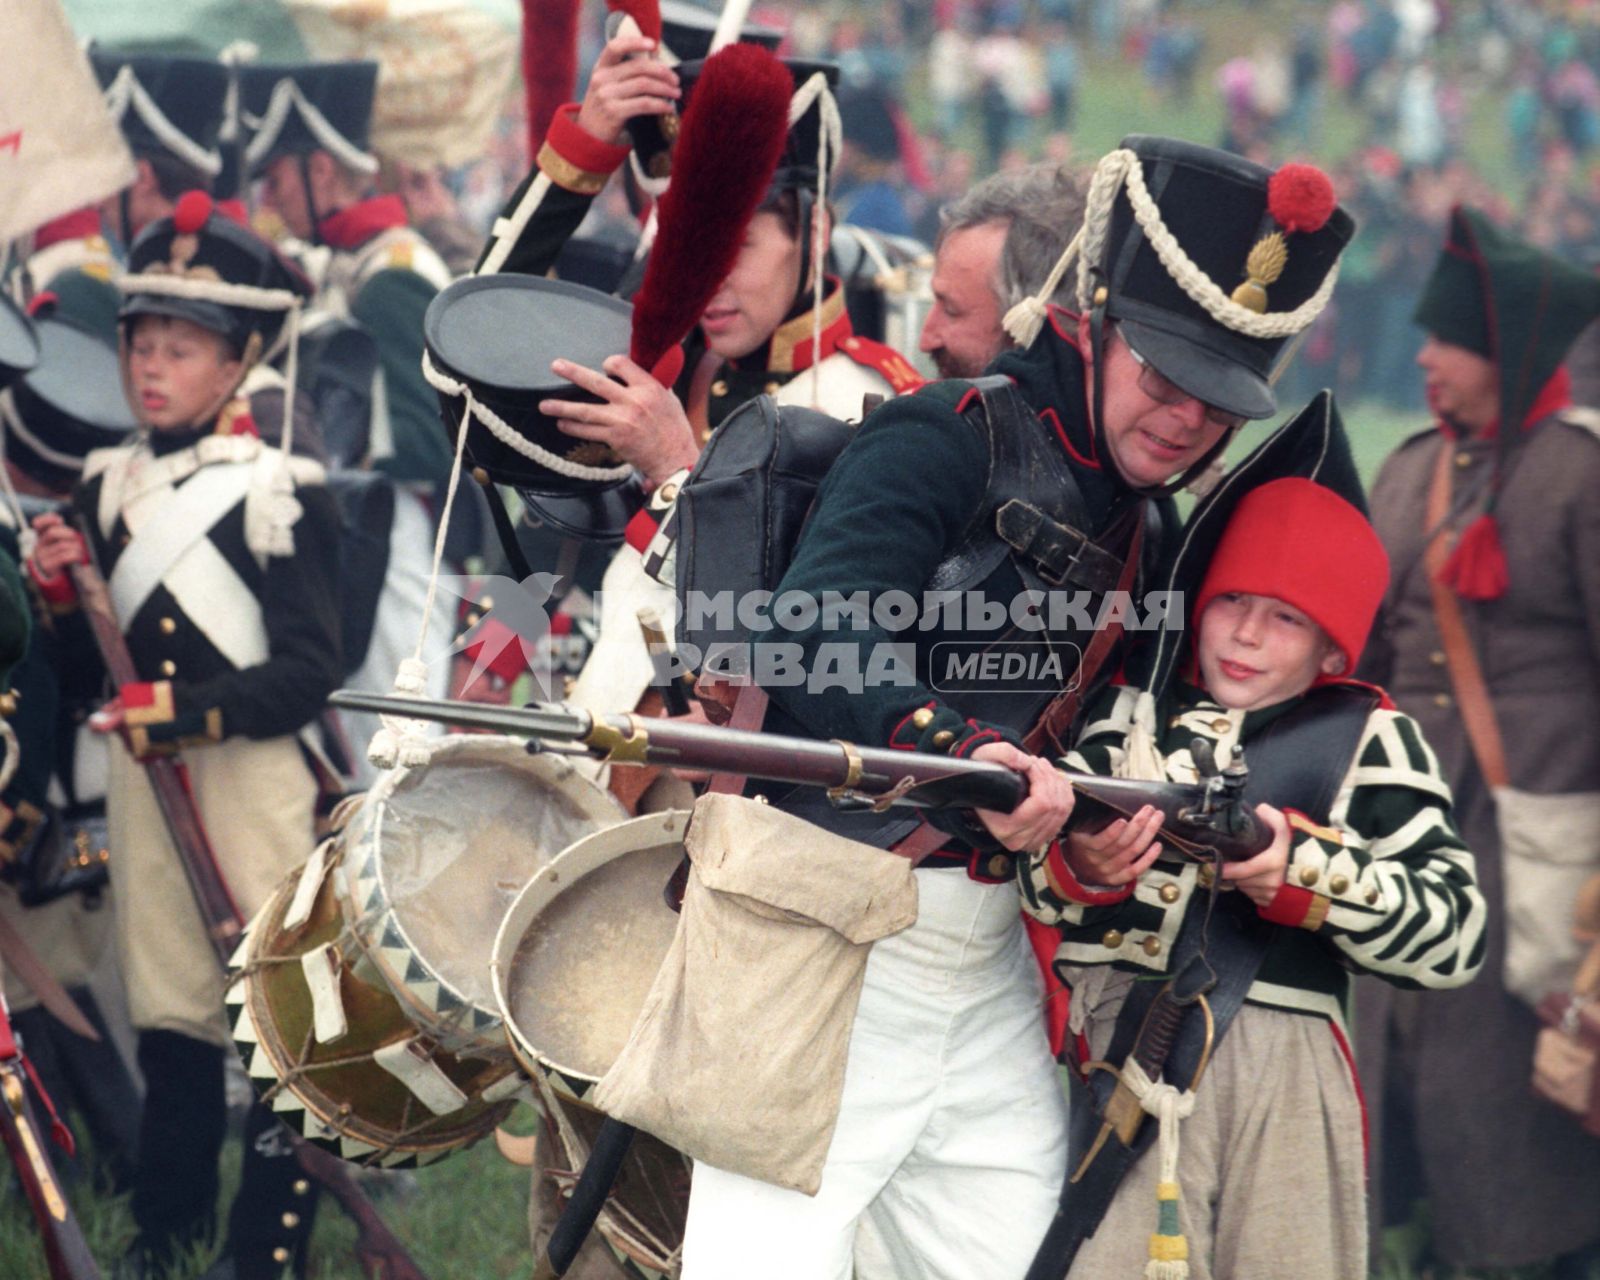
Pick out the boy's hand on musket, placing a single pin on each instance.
(1119, 853)
(1263, 875)
(59, 545)
(1034, 822)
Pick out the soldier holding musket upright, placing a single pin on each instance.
(951, 1137)
(221, 557)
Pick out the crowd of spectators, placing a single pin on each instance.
(1413, 104)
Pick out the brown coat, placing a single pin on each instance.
(1510, 1179)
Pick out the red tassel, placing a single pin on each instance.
(1476, 569)
(1300, 197)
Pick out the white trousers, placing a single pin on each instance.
(952, 1136)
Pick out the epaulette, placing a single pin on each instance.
(1582, 417)
(894, 367)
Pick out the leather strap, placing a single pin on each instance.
(1059, 552)
(1466, 676)
(1055, 723)
(698, 405)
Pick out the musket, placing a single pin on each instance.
(1204, 820)
(380, 1250)
(66, 1252)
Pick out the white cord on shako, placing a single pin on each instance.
(829, 140)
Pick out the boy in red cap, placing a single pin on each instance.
(1365, 871)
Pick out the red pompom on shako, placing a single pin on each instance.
(1300, 197)
(191, 212)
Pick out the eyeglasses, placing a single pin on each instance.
(1163, 390)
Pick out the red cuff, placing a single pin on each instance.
(577, 146)
(57, 591)
(1295, 908)
(1068, 886)
(641, 530)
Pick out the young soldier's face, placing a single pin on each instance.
(758, 292)
(178, 371)
(1257, 651)
(283, 191)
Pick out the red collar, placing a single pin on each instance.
(1553, 397)
(80, 224)
(352, 227)
(790, 349)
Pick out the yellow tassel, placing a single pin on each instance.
(1169, 1247)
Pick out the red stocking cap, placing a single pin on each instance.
(1299, 542)
(730, 143)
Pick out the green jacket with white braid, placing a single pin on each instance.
(1386, 888)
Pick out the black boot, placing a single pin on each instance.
(269, 1227)
(180, 1139)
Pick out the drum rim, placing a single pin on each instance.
(484, 1019)
(329, 1131)
(571, 865)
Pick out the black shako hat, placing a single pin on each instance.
(19, 342)
(814, 82)
(199, 264)
(166, 105)
(1509, 302)
(687, 29)
(315, 106)
(1210, 263)
(71, 403)
(489, 341)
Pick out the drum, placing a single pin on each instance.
(574, 960)
(359, 997)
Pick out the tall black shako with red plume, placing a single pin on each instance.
(727, 150)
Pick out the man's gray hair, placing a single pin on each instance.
(1042, 207)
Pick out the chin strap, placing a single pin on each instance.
(311, 203)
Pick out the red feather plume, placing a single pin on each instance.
(549, 62)
(1300, 197)
(728, 147)
(645, 13)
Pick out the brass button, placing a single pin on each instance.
(168, 626)
(1441, 699)
(1220, 725)
(1437, 658)
(1170, 893)
(999, 866)
(301, 1187)
(280, 1255)
(922, 717)
(1309, 876)
(1463, 459)
(1113, 938)
(1152, 946)
(291, 1221)
(474, 618)
(480, 475)
(667, 493)
(771, 388)
(1100, 296)
(943, 739)
(719, 387)
(1339, 883)
(1372, 897)
(486, 603)
(1208, 876)
(169, 667)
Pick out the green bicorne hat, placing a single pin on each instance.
(1517, 305)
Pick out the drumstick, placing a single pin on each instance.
(588, 1197)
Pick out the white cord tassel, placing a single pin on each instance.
(1169, 1249)
(404, 741)
(829, 137)
(1142, 758)
(1024, 321)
